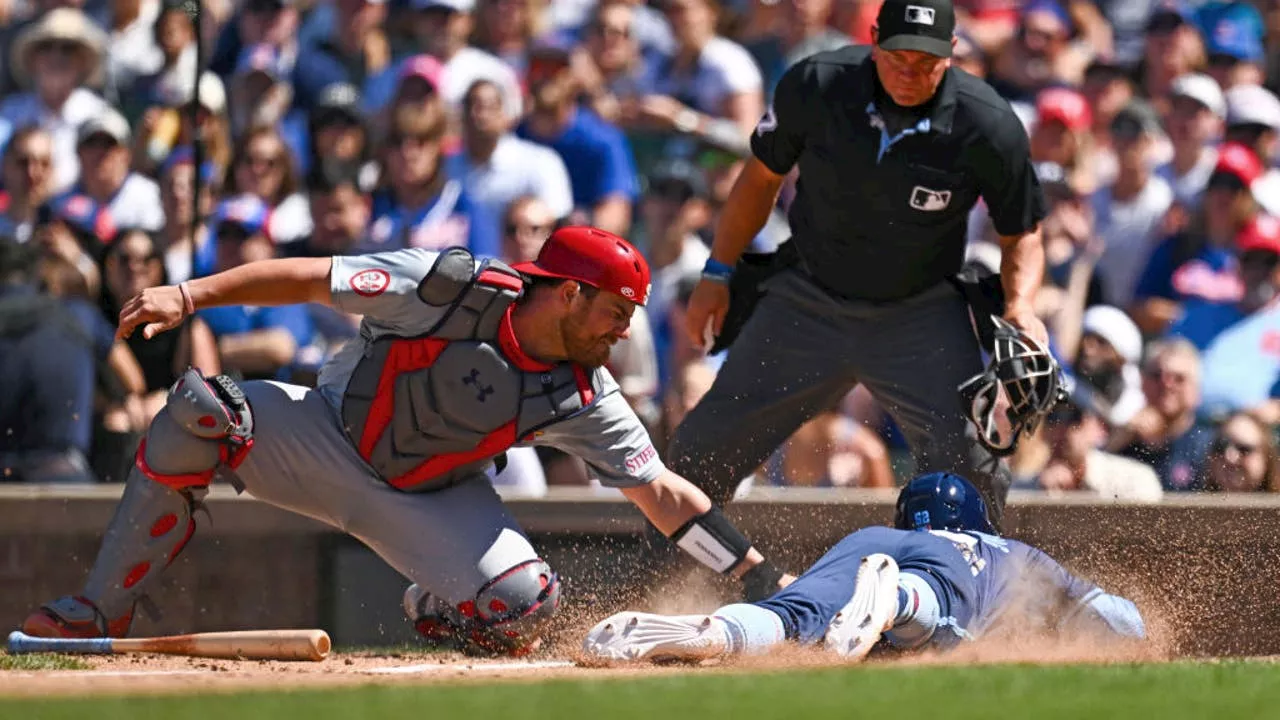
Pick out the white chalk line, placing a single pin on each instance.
(468, 667)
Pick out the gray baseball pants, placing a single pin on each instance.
(803, 349)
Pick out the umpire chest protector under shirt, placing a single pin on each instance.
(880, 215)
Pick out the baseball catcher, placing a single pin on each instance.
(457, 361)
(942, 576)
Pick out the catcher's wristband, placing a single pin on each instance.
(188, 305)
(713, 541)
(717, 271)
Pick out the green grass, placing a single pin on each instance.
(41, 661)
(1146, 692)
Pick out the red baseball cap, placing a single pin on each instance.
(595, 257)
(1238, 160)
(1262, 233)
(1066, 106)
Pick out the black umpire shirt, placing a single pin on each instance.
(882, 215)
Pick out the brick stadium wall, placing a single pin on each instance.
(1205, 568)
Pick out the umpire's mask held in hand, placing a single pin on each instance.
(1022, 378)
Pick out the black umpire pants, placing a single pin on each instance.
(803, 349)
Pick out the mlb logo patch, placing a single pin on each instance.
(922, 198)
(919, 15)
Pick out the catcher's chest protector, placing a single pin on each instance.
(427, 411)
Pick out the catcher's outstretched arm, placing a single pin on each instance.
(686, 515)
(266, 282)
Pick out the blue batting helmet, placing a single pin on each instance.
(941, 501)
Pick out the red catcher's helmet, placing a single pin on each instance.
(595, 257)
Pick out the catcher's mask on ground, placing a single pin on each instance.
(1023, 378)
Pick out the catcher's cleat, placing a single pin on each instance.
(871, 611)
(632, 636)
(74, 617)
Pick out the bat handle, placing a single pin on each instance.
(20, 642)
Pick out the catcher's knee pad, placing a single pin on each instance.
(506, 617)
(512, 609)
(206, 424)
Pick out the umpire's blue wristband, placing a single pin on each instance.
(716, 270)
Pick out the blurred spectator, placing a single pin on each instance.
(832, 450)
(50, 350)
(174, 38)
(264, 167)
(1071, 251)
(1128, 213)
(1173, 47)
(1200, 261)
(253, 342)
(706, 77)
(1060, 135)
(262, 95)
(506, 28)
(1105, 365)
(1240, 342)
(496, 167)
(420, 206)
(441, 29)
(133, 263)
(132, 50)
(1109, 90)
(182, 239)
(1233, 41)
(968, 55)
(674, 209)
(341, 209)
(76, 229)
(1197, 111)
(355, 50)
(27, 181)
(166, 123)
(336, 130)
(1253, 119)
(526, 225)
(1165, 434)
(1074, 434)
(103, 148)
(266, 22)
(1040, 54)
(617, 70)
(596, 154)
(802, 33)
(1243, 457)
(60, 54)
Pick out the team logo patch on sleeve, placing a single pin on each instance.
(371, 282)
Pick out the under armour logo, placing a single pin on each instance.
(483, 391)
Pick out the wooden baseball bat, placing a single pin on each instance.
(236, 644)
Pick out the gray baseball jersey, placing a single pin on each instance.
(436, 385)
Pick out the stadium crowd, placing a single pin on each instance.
(353, 126)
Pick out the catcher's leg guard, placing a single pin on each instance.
(506, 618)
(206, 425)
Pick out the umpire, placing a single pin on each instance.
(894, 148)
